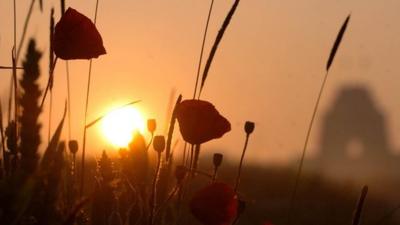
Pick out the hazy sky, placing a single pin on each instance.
(268, 68)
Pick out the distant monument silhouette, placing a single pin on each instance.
(354, 136)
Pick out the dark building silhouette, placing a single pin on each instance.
(354, 140)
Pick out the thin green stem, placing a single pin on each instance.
(10, 97)
(10, 68)
(27, 19)
(165, 203)
(85, 118)
(202, 48)
(50, 112)
(151, 140)
(14, 73)
(153, 198)
(214, 176)
(298, 176)
(49, 82)
(68, 100)
(3, 145)
(15, 23)
(241, 162)
(184, 154)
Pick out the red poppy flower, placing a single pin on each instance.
(200, 122)
(216, 204)
(76, 37)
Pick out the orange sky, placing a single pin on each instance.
(268, 68)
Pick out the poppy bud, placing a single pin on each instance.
(180, 173)
(217, 159)
(73, 146)
(249, 127)
(159, 143)
(151, 125)
(216, 204)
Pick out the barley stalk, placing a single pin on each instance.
(329, 62)
(202, 48)
(216, 43)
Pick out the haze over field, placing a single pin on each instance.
(273, 51)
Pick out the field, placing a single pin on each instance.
(160, 169)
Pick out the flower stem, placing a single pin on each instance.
(151, 140)
(170, 196)
(202, 48)
(153, 198)
(49, 82)
(298, 176)
(68, 100)
(241, 162)
(85, 118)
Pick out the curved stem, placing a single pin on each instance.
(50, 112)
(170, 196)
(151, 140)
(49, 82)
(184, 155)
(202, 49)
(298, 176)
(153, 198)
(241, 163)
(214, 176)
(27, 19)
(68, 100)
(86, 110)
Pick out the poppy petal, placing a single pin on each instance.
(215, 204)
(76, 37)
(199, 121)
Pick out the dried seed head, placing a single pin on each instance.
(217, 159)
(73, 146)
(159, 143)
(249, 127)
(180, 173)
(151, 125)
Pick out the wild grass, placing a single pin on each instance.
(142, 185)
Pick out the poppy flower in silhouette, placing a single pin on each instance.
(76, 37)
(216, 204)
(200, 122)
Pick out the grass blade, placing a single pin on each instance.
(41, 5)
(216, 43)
(14, 75)
(337, 43)
(53, 144)
(202, 48)
(3, 144)
(101, 117)
(360, 205)
(171, 129)
(62, 7)
(314, 114)
(85, 117)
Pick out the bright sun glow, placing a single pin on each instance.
(120, 124)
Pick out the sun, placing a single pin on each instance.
(120, 124)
